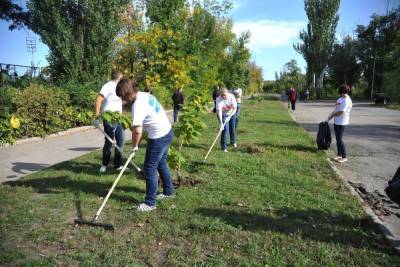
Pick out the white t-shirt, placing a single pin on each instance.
(343, 104)
(148, 113)
(237, 93)
(112, 102)
(225, 106)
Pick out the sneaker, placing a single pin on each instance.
(235, 145)
(162, 196)
(145, 207)
(337, 158)
(103, 169)
(342, 160)
(225, 150)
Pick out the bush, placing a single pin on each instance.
(41, 110)
(7, 109)
(82, 96)
(7, 101)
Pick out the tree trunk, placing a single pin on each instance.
(320, 82)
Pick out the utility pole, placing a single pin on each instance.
(31, 47)
(373, 79)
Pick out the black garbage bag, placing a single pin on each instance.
(393, 189)
(324, 138)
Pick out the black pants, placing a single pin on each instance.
(293, 105)
(341, 149)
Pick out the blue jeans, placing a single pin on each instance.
(156, 160)
(176, 111)
(229, 129)
(113, 131)
(237, 115)
(341, 149)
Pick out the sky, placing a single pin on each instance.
(274, 26)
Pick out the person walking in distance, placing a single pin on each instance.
(111, 103)
(341, 115)
(150, 116)
(178, 100)
(226, 109)
(293, 98)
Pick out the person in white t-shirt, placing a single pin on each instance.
(149, 115)
(237, 92)
(341, 116)
(111, 103)
(226, 109)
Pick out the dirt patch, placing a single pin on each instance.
(188, 181)
(376, 201)
(252, 149)
(241, 131)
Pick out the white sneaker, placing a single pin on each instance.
(225, 150)
(337, 158)
(235, 145)
(103, 169)
(162, 196)
(145, 207)
(342, 160)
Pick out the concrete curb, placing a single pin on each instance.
(70, 131)
(39, 139)
(385, 231)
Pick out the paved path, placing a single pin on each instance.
(373, 146)
(20, 160)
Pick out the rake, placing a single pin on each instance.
(94, 222)
(120, 150)
(212, 145)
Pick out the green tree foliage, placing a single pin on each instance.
(255, 79)
(185, 47)
(14, 14)
(343, 66)
(234, 69)
(79, 35)
(391, 79)
(374, 43)
(290, 76)
(188, 129)
(317, 42)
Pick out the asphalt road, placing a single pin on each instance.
(373, 146)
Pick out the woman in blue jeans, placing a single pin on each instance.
(341, 115)
(149, 115)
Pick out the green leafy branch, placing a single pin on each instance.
(116, 117)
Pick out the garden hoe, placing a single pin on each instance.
(119, 149)
(94, 222)
(212, 145)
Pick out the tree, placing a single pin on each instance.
(343, 67)
(255, 78)
(234, 69)
(79, 35)
(13, 13)
(374, 43)
(290, 76)
(317, 41)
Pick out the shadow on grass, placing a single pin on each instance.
(297, 147)
(62, 184)
(285, 123)
(311, 224)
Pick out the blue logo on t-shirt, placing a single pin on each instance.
(153, 102)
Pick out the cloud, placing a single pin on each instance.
(268, 33)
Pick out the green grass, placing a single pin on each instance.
(274, 201)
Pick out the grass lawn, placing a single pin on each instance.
(274, 201)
